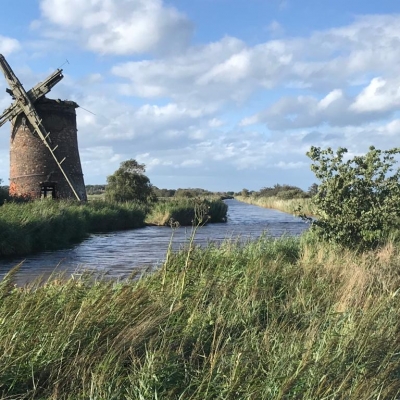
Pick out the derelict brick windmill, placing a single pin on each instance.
(44, 156)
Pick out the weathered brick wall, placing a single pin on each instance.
(31, 162)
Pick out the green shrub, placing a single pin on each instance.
(357, 200)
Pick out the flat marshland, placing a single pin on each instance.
(286, 318)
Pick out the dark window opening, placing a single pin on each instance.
(48, 189)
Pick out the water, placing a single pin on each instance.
(120, 253)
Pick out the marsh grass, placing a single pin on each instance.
(187, 211)
(44, 225)
(288, 206)
(270, 319)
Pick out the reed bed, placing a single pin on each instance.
(47, 224)
(288, 206)
(271, 319)
(187, 211)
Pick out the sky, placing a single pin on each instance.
(214, 94)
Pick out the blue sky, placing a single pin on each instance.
(218, 94)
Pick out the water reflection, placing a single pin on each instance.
(121, 253)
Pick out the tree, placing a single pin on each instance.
(313, 190)
(245, 192)
(357, 200)
(129, 183)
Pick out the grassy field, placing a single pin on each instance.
(44, 225)
(272, 319)
(288, 206)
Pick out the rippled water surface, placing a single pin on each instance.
(121, 253)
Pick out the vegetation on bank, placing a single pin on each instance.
(185, 211)
(271, 319)
(286, 198)
(281, 192)
(289, 206)
(47, 224)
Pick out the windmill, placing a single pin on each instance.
(44, 156)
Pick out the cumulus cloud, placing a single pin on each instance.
(118, 27)
(380, 95)
(8, 45)
(230, 70)
(379, 99)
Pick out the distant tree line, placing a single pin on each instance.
(284, 192)
(95, 189)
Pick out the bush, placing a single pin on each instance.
(291, 194)
(357, 200)
(129, 183)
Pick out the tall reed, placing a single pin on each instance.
(288, 206)
(271, 319)
(44, 225)
(187, 211)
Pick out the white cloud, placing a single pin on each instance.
(231, 71)
(215, 123)
(379, 95)
(8, 45)
(376, 101)
(275, 28)
(181, 77)
(330, 99)
(118, 27)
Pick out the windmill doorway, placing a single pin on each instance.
(48, 190)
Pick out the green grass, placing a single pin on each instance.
(44, 225)
(288, 206)
(271, 319)
(187, 211)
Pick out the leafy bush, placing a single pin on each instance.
(283, 192)
(291, 194)
(129, 183)
(357, 200)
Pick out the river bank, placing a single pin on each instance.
(27, 228)
(45, 225)
(273, 318)
(288, 206)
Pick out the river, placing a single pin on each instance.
(120, 253)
